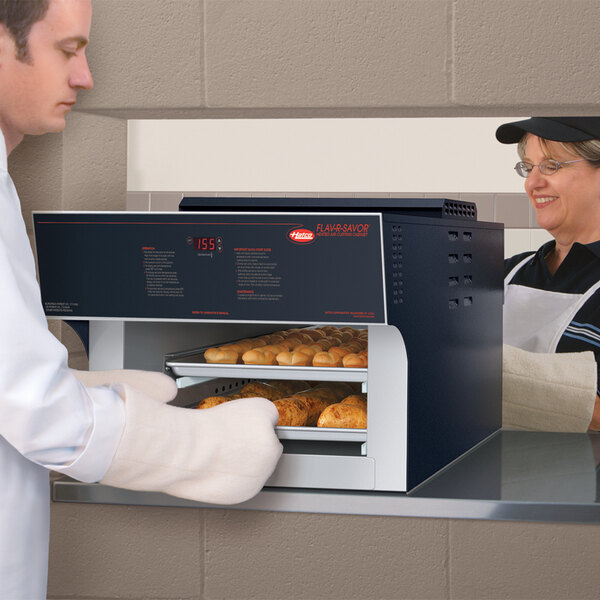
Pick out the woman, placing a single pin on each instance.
(552, 296)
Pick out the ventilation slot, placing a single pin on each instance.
(397, 257)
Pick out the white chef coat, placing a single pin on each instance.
(48, 420)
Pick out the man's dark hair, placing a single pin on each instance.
(18, 16)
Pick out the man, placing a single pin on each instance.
(113, 427)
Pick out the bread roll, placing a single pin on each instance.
(257, 389)
(328, 395)
(221, 356)
(356, 400)
(339, 351)
(289, 387)
(326, 359)
(355, 361)
(292, 412)
(241, 346)
(294, 359)
(337, 389)
(324, 344)
(257, 356)
(315, 405)
(347, 416)
(212, 401)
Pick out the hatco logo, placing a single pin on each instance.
(301, 236)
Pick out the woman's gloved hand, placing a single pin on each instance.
(548, 392)
(220, 455)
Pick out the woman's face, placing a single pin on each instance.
(567, 203)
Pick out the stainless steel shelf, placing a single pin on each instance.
(197, 369)
(321, 434)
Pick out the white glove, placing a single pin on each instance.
(156, 385)
(548, 392)
(220, 455)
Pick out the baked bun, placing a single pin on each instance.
(221, 355)
(294, 359)
(258, 356)
(257, 389)
(347, 416)
(289, 387)
(337, 389)
(356, 400)
(315, 404)
(212, 401)
(326, 359)
(328, 395)
(292, 412)
(355, 361)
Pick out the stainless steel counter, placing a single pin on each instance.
(513, 475)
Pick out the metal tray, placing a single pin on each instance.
(193, 365)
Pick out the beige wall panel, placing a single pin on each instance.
(326, 53)
(513, 561)
(298, 556)
(36, 169)
(146, 54)
(95, 163)
(538, 53)
(125, 552)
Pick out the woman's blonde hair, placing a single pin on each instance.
(588, 149)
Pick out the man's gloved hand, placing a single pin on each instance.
(156, 385)
(548, 392)
(220, 455)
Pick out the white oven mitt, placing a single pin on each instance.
(548, 392)
(156, 385)
(220, 455)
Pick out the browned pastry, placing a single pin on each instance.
(355, 361)
(329, 329)
(356, 400)
(347, 416)
(354, 346)
(338, 351)
(326, 359)
(212, 401)
(260, 390)
(289, 387)
(292, 412)
(258, 356)
(336, 389)
(294, 359)
(315, 334)
(308, 350)
(322, 345)
(351, 330)
(221, 356)
(241, 346)
(327, 394)
(315, 405)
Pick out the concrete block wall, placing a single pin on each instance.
(303, 59)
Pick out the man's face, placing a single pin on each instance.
(36, 95)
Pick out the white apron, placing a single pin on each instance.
(535, 320)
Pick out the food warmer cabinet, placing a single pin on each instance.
(423, 276)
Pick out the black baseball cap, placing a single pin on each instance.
(557, 129)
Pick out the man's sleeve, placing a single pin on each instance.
(45, 412)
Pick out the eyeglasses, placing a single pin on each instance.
(548, 166)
